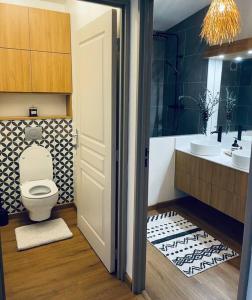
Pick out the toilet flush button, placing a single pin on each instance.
(33, 133)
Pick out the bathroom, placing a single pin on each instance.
(200, 150)
(74, 154)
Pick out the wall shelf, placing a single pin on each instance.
(11, 118)
(230, 50)
(68, 113)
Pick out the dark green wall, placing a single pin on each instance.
(191, 81)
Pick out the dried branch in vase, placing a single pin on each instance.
(206, 102)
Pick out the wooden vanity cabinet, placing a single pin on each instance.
(49, 31)
(219, 186)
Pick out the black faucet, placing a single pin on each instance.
(219, 131)
(240, 130)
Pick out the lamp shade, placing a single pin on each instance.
(221, 23)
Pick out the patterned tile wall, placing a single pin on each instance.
(57, 138)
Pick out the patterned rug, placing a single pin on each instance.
(189, 248)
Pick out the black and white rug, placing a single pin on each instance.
(189, 248)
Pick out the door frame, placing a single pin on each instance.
(123, 124)
(245, 268)
(146, 8)
(143, 140)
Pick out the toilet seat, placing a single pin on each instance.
(39, 189)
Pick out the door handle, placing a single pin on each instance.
(75, 136)
(146, 157)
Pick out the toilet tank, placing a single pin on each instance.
(35, 163)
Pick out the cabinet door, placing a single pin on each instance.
(200, 190)
(15, 70)
(14, 24)
(228, 203)
(51, 72)
(49, 31)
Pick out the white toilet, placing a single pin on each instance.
(39, 193)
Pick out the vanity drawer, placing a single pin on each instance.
(187, 163)
(205, 170)
(200, 189)
(228, 203)
(224, 177)
(241, 184)
(182, 181)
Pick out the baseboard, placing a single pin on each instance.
(66, 205)
(58, 207)
(165, 204)
(17, 215)
(74, 205)
(128, 280)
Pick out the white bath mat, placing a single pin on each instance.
(38, 234)
(189, 248)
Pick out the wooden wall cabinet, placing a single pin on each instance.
(51, 72)
(14, 27)
(46, 65)
(15, 70)
(49, 31)
(221, 187)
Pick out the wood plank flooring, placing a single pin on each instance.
(165, 282)
(63, 270)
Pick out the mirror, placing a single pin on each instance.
(236, 79)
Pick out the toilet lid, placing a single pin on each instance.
(38, 189)
(35, 163)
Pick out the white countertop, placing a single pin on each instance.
(221, 159)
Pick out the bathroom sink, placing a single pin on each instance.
(205, 147)
(241, 159)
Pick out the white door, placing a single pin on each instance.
(96, 152)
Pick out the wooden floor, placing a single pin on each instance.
(64, 270)
(165, 282)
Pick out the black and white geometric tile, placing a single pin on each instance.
(188, 247)
(57, 138)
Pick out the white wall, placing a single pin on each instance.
(162, 167)
(18, 104)
(162, 170)
(58, 5)
(83, 13)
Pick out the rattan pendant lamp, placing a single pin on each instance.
(222, 22)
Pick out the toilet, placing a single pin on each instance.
(39, 193)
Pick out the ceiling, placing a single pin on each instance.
(168, 13)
